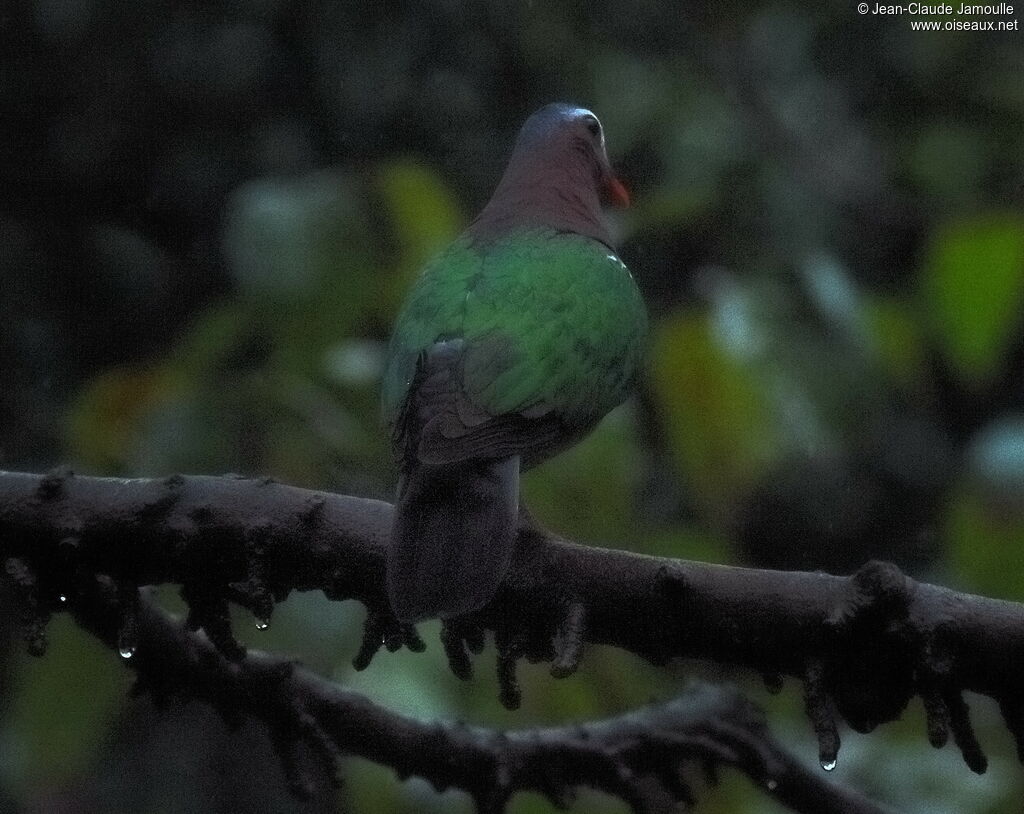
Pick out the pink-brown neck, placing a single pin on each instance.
(552, 185)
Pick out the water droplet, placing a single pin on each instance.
(128, 634)
(771, 784)
(828, 763)
(63, 598)
(262, 624)
(127, 640)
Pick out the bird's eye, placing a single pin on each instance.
(594, 127)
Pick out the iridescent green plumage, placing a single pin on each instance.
(557, 317)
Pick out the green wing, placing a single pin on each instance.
(551, 328)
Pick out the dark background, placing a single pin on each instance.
(210, 212)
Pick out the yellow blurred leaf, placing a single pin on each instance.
(587, 492)
(719, 421)
(105, 424)
(425, 217)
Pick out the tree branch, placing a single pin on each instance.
(640, 756)
(864, 645)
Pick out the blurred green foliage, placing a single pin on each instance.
(973, 285)
(63, 709)
(213, 215)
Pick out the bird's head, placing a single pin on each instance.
(563, 130)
